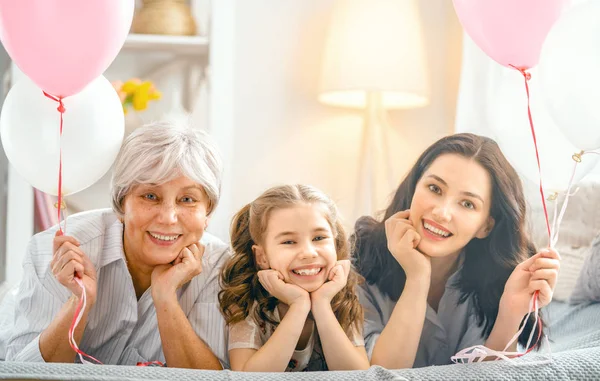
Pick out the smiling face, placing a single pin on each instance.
(451, 205)
(300, 244)
(160, 220)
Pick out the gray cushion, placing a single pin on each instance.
(573, 332)
(579, 227)
(587, 288)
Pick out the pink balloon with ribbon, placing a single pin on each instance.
(511, 32)
(63, 45)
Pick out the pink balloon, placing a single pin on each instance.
(511, 32)
(62, 45)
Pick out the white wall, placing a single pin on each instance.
(274, 129)
(222, 103)
(4, 62)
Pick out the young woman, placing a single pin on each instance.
(450, 265)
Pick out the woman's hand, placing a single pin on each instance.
(166, 279)
(68, 262)
(287, 293)
(402, 241)
(537, 273)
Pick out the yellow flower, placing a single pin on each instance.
(136, 93)
(130, 86)
(143, 93)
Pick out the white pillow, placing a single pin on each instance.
(580, 225)
(587, 289)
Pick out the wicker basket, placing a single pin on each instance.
(172, 17)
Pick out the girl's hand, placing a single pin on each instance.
(287, 293)
(336, 281)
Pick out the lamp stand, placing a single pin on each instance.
(375, 179)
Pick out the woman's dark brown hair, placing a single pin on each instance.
(488, 262)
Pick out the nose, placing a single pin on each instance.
(308, 251)
(442, 213)
(167, 214)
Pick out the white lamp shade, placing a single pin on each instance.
(375, 46)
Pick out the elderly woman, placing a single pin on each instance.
(149, 268)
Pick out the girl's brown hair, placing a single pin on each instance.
(239, 279)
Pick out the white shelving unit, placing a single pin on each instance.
(194, 46)
(180, 56)
(189, 53)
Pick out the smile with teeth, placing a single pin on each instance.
(164, 237)
(308, 272)
(436, 231)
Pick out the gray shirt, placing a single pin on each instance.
(446, 332)
(120, 328)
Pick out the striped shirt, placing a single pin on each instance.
(120, 328)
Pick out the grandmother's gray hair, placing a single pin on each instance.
(162, 151)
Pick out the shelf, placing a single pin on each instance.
(181, 45)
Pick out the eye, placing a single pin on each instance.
(468, 204)
(187, 199)
(150, 197)
(288, 242)
(435, 189)
(320, 238)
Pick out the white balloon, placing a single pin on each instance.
(570, 74)
(511, 126)
(93, 131)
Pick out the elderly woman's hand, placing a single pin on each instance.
(70, 261)
(166, 279)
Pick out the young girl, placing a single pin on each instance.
(447, 267)
(289, 290)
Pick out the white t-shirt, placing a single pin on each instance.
(248, 334)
